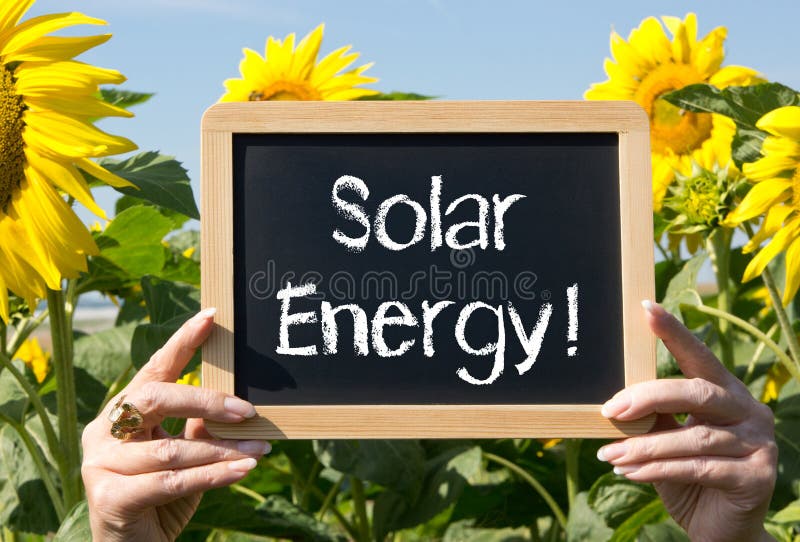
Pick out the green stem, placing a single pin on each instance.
(40, 463)
(38, 406)
(751, 367)
(351, 530)
(573, 450)
(28, 327)
(308, 483)
(249, 492)
(360, 505)
(788, 362)
(61, 332)
(3, 336)
(783, 318)
(329, 498)
(116, 386)
(719, 247)
(534, 483)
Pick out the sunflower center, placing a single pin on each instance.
(12, 147)
(285, 91)
(672, 128)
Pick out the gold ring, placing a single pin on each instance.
(126, 420)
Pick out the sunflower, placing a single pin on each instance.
(289, 73)
(649, 65)
(47, 103)
(776, 195)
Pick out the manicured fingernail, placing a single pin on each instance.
(648, 305)
(253, 447)
(237, 406)
(625, 470)
(207, 313)
(612, 451)
(616, 405)
(243, 465)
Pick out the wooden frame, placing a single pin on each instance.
(627, 119)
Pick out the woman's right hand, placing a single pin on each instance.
(148, 487)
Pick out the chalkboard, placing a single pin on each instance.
(446, 281)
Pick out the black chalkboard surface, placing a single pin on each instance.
(427, 269)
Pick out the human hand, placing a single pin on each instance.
(148, 486)
(716, 472)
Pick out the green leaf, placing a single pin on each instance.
(446, 476)
(615, 499)
(167, 300)
(666, 531)
(132, 241)
(583, 523)
(124, 98)
(148, 338)
(790, 514)
(682, 289)
(745, 105)
(465, 531)
(76, 527)
(161, 180)
(787, 436)
(652, 513)
(396, 96)
(396, 464)
(24, 502)
(13, 400)
(177, 219)
(276, 517)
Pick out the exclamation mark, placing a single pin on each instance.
(572, 310)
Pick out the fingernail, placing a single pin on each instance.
(648, 305)
(612, 451)
(243, 465)
(254, 447)
(237, 406)
(207, 313)
(616, 405)
(624, 470)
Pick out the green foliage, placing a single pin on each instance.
(159, 179)
(745, 105)
(396, 96)
(124, 98)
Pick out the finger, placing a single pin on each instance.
(173, 453)
(196, 429)
(158, 400)
(161, 487)
(694, 358)
(168, 362)
(679, 443)
(704, 400)
(726, 473)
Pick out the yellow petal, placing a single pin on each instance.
(48, 49)
(784, 121)
(759, 199)
(67, 178)
(650, 41)
(626, 55)
(50, 133)
(792, 272)
(779, 243)
(773, 221)
(772, 164)
(306, 55)
(33, 29)
(11, 11)
(734, 75)
(709, 53)
(84, 108)
(96, 170)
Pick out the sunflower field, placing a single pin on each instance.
(725, 146)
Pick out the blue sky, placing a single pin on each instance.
(183, 49)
